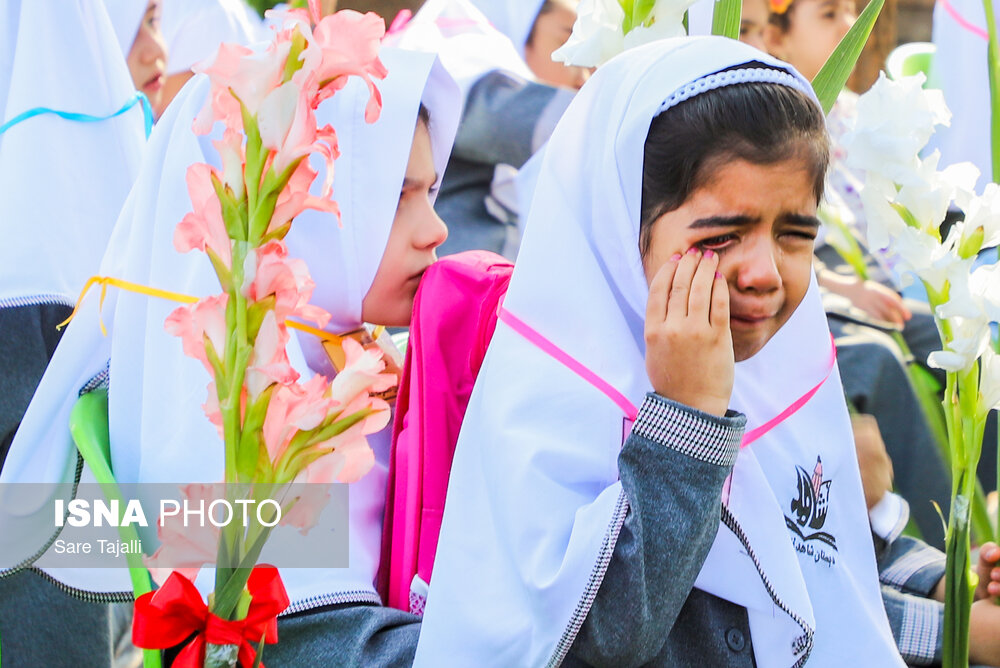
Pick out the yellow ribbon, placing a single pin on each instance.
(105, 281)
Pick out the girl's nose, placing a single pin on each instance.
(758, 268)
(433, 231)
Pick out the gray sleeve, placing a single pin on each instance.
(507, 118)
(672, 469)
(349, 634)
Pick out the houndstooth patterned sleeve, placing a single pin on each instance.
(689, 431)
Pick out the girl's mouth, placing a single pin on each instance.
(154, 84)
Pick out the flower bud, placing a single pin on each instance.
(971, 244)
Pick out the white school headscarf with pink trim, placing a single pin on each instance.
(159, 433)
(534, 503)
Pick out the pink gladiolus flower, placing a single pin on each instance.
(195, 322)
(288, 280)
(250, 75)
(294, 408)
(309, 505)
(351, 457)
(296, 198)
(362, 373)
(230, 149)
(212, 409)
(350, 42)
(186, 548)
(269, 361)
(203, 227)
(287, 124)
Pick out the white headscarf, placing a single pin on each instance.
(534, 501)
(469, 47)
(514, 18)
(62, 182)
(126, 16)
(158, 430)
(194, 29)
(959, 68)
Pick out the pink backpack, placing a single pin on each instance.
(454, 317)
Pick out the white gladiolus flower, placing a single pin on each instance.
(668, 21)
(928, 193)
(964, 176)
(984, 285)
(597, 34)
(984, 212)
(971, 339)
(924, 256)
(962, 300)
(989, 380)
(895, 120)
(883, 223)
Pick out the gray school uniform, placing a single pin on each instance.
(506, 119)
(40, 624)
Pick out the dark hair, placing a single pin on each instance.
(782, 21)
(761, 123)
(424, 116)
(547, 7)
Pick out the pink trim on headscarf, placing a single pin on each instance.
(752, 435)
(962, 21)
(554, 351)
(627, 406)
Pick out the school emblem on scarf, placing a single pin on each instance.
(808, 515)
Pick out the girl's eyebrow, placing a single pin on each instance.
(722, 221)
(797, 219)
(800, 220)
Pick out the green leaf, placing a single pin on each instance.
(626, 6)
(221, 271)
(833, 76)
(641, 11)
(233, 215)
(277, 233)
(726, 18)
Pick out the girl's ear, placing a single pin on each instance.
(774, 40)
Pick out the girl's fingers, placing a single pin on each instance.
(700, 298)
(659, 290)
(677, 301)
(719, 317)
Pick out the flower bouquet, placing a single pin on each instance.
(906, 198)
(276, 430)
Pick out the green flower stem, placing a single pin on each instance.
(958, 589)
(967, 426)
(993, 67)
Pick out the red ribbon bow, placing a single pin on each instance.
(173, 612)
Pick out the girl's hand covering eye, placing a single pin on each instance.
(689, 348)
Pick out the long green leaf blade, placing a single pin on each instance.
(833, 76)
(726, 18)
